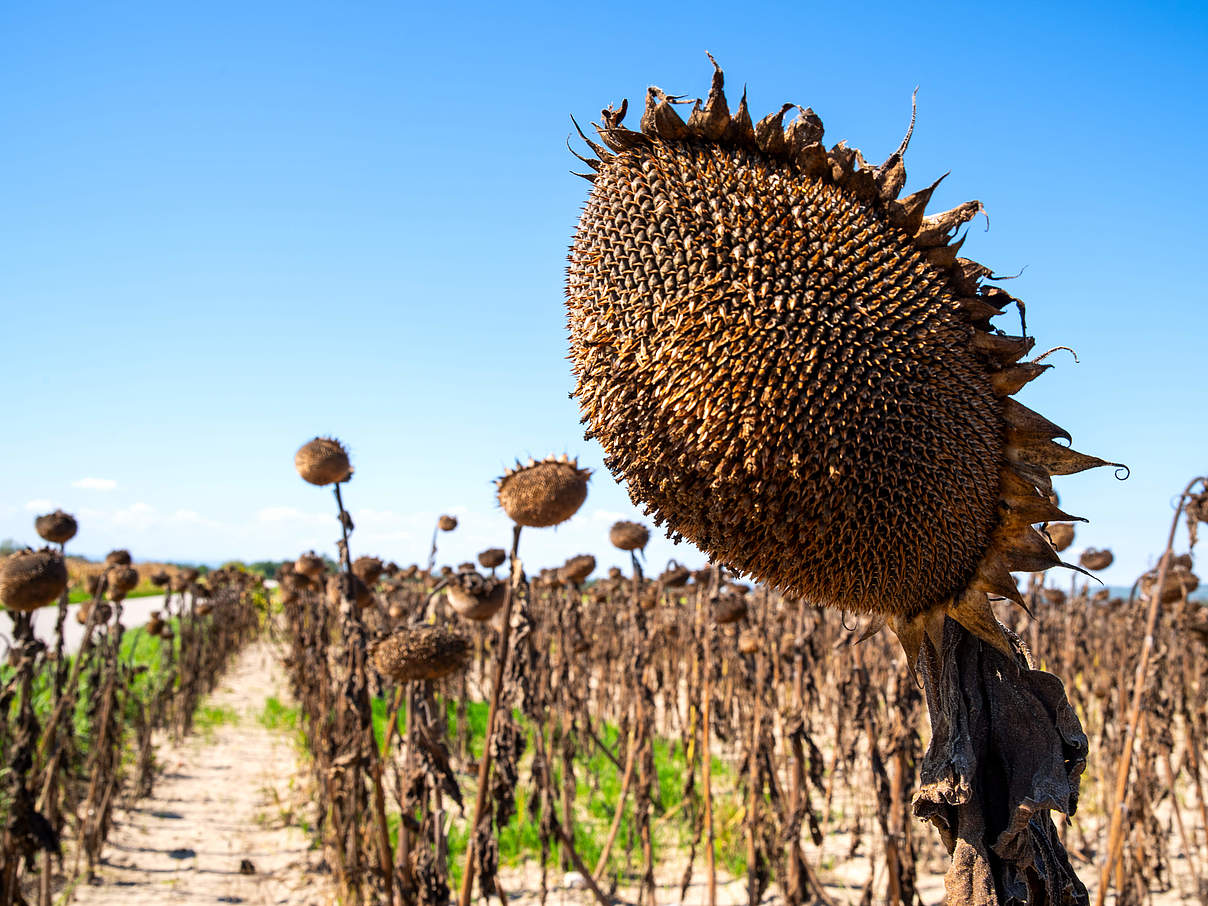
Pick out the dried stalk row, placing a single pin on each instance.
(797, 744)
(68, 769)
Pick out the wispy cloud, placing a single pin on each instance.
(138, 516)
(95, 484)
(39, 505)
(293, 515)
(192, 517)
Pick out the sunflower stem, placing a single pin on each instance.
(484, 764)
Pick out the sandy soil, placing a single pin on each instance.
(225, 795)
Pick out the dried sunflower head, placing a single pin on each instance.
(118, 558)
(1061, 535)
(675, 575)
(352, 588)
(57, 527)
(446, 523)
(31, 579)
(322, 461)
(474, 596)
(492, 557)
(629, 536)
(545, 493)
(423, 653)
(1095, 559)
(793, 368)
(122, 581)
(576, 569)
(368, 570)
(309, 565)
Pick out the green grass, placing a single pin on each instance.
(279, 716)
(210, 716)
(78, 594)
(276, 715)
(597, 790)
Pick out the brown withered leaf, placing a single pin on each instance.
(1006, 749)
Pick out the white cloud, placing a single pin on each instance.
(192, 517)
(139, 516)
(40, 505)
(295, 515)
(95, 484)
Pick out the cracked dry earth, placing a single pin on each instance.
(221, 823)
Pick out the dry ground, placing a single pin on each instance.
(227, 794)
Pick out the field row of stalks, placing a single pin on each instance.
(627, 725)
(77, 727)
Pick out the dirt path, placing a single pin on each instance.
(227, 794)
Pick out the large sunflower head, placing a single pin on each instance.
(793, 368)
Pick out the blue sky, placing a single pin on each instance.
(227, 227)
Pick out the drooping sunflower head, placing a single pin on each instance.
(792, 367)
(57, 527)
(492, 557)
(31, 579)
(368, 570)
(323, 461)
(629, 536)
(421, 653)
(576, 569)
(545, 493)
